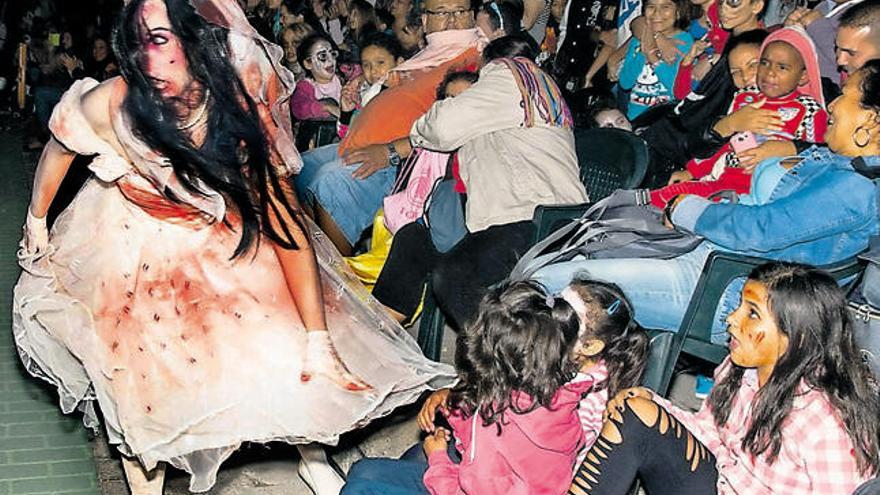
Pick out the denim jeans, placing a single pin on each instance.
(659, 290)
(326, 180)
(388, 476)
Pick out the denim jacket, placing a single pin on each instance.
(821, 211)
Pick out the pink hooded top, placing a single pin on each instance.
(800, 40)
(535, 453)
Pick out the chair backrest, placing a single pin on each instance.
(610, 159)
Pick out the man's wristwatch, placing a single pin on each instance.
(393, 156)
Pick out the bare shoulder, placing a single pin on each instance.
(100, 102)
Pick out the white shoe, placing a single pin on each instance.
(325, 480)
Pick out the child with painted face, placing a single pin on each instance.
(611, 351)
(317, 96)
(787, 104)
(792, 409)
(649, 77)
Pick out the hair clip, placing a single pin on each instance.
(497, 11)
(550, 300)
(613, 308)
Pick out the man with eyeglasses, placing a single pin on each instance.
(345, 184)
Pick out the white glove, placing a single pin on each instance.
(321, 358)
(35, 238)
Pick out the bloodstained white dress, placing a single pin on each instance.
(137, 305)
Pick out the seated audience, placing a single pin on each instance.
(787, 104)
(812, 208)
(646, 75)
(536, 371)
(670, 137)
(345, 184)
(513, 133)
(791, 411)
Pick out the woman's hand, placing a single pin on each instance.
(749, 159)
(321, 358)
(615, 407)
(752, 118)
(436, 400)
(35, 237)
(679, 176)
(373, 158)
(437, 442)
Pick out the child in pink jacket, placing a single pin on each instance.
(526, 364)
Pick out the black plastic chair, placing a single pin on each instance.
(609, 159)
(694, 335)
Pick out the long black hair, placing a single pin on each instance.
(810, 309)
(235, 134)
(610, 318)
(521, 341)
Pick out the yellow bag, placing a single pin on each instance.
(367, 266)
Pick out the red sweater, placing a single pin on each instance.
(802, 117)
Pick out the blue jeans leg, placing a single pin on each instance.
(313, 162)
(659, 290)
(386, 477)
(351, 202)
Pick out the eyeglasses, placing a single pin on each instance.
(451, 14)
(325, 55)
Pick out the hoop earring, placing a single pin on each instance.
(856, 137)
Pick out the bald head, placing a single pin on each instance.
(858, 36)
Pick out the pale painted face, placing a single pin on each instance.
(322, 62)
(164, 61)
(613, 118)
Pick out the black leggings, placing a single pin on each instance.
(654, 447)
(459, 277)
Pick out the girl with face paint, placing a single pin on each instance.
(183, 289)
(317, 96)
(792, 410)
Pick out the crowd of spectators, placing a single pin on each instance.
(770, 99)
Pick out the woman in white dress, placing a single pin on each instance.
(183, 290)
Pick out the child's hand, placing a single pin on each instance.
(331, 108)
(439, 441)
(669, 48)
(749, 159)
(751, 118)
(615, 407)
(351, 94)
(697, 49)
(436, 400)
(679, 176)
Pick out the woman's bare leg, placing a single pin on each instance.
(333, 232)
(141, 482)
(316, 471)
